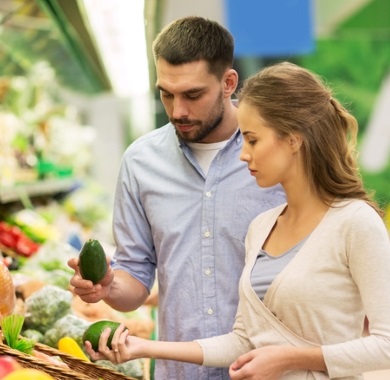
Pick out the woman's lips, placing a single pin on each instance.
(252, 172)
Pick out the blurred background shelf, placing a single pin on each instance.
(46, 187)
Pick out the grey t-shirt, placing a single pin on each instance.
(267, 267)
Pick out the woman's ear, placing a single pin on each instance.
(295, 142)
(230, 82)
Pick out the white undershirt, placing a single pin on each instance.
(205, 153)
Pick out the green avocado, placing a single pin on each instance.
(93, 332)
(92, 261)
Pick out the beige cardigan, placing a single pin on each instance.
(339, 275)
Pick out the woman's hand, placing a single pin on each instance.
(271, 362)
(264, 363)
(124, 347)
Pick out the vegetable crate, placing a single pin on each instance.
(78, 369)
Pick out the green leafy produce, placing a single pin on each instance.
(69, 325)
(49, 264)
(93, 332)
(11, 326)
(46, 306)
(132, 368)
(93, 262)
(88, 204)
(34, 335)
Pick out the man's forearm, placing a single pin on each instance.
(126, 293)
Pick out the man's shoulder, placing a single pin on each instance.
(157, 138)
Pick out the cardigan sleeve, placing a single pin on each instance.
(368, 251)
(223, 350)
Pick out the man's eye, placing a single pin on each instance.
(166, 95)
(252, 142)
(193, 96)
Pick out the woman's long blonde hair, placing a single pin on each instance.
(293, 100)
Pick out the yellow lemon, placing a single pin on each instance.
(28, 374)
(70, 346)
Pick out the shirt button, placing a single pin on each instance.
(210, 311)
(207, 271)
(207, 234)
(208, 194)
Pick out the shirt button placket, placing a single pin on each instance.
(208, 261)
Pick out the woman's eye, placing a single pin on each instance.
(252, 142)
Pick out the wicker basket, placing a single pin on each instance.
(78, 369)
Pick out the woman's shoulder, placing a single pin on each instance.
(356, 214)
(353, 207)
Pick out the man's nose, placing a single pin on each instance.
(180, 109)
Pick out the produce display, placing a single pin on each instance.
(35, 246)
(50, 316)
(43, 141)
(12, 237)
(38, 290)
(40, 136)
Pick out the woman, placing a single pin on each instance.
(317, 266)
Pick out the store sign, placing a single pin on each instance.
(271, 28)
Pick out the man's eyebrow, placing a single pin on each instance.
(189, 91)
(160, 88)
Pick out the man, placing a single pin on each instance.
(184, 200)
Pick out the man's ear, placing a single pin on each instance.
(230, 82)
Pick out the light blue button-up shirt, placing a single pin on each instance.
(170, 217)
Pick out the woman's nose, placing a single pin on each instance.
(245, 156)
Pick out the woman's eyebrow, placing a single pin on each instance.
(247, 133)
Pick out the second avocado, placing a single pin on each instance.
(93, 262)
(93, 332)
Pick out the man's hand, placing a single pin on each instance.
(85, 289)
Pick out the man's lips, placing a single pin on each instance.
(184, 127)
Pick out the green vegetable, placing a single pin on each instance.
(93, 332)
(69, 325)
(133, 368)
(45, 307)
(11, 325)
(93, 262)
(34, 335)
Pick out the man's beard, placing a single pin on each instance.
(202, 128)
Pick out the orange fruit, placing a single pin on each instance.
(28, 374)
(7, 291)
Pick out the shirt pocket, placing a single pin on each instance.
(248, 203)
